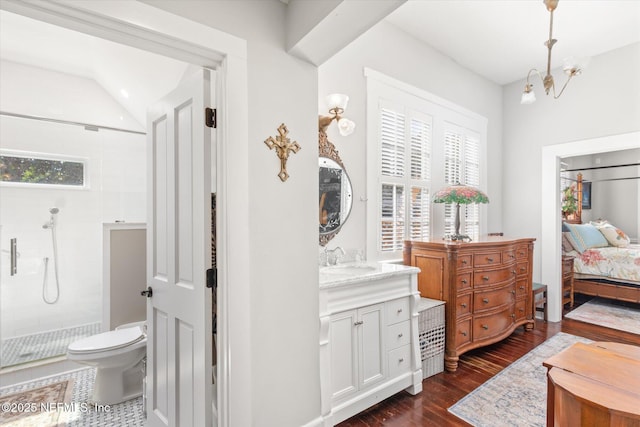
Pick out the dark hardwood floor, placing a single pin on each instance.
(441, 391)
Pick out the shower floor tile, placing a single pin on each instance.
(127, 413)
(43, 345)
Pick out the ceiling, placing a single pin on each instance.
(502, 40)
(498, 39)
(143, 76)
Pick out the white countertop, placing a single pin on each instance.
(357, 272)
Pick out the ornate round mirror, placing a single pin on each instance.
(335, 195)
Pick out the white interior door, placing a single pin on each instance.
(179, 379)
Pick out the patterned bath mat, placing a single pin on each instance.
(517, 396)
(608, 313)
(41, 406)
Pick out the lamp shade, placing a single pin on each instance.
(337, 101)
(460, 194)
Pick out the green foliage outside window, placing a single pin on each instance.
(41, 171)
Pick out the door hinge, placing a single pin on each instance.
(211, 117)
(212, 278)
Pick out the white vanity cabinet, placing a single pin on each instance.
(369, 346)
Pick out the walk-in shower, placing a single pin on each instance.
(51, 225)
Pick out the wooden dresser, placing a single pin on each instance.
(486, 285)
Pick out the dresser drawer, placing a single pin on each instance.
(464, 261)
(522, 268)
(398, 334)
(464, 305)
(487, 278)
(522, 288)
(522, 252)
(463, 332)
(463, 281)
(521, 311)
(397, 310)
(490, 299)
(489, 258)
(399, 361)
(493, 324)
(508, 256)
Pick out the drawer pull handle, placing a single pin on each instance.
(512, 291)
(522, 287)
(360, 322)
(512, 256)
(489, 259)
(464, 333)
(464, 281)
(521, 310)
(485, 278)
(485, 327)
(399, 310)
(401, 360)
(513, 315)
(514, 272)
(400, 335)
(464, 261)
(485, 300)
(523, 269)
(463, 305)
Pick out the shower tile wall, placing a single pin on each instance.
(117, 180)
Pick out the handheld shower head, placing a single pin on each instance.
(54, 211)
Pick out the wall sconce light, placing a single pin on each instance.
(571, 67)
(337, 103)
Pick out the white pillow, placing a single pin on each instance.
(614, 235)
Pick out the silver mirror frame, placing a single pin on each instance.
(327, 152)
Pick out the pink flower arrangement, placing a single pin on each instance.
(460, 194)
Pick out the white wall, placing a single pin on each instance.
(603, 101)
(117, 192)
(283, 226)
(387, 49)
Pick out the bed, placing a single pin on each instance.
(605, 263)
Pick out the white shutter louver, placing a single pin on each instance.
(392, 218)
(392, 138)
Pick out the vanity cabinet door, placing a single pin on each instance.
(357, 349)
(343, 341)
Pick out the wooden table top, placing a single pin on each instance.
(603, 372)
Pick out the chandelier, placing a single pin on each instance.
(570, 67)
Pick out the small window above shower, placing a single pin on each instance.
(22, 168)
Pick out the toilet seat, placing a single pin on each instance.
(105, 341)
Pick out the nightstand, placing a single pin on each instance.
(567, 280)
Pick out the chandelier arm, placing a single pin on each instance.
(563, 87)
(534, 70)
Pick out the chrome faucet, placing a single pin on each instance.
(331, 254)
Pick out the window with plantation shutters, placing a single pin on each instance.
(416, 144)
(405, 156)
(462, 165)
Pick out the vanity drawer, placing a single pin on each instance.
(397, 310)
(464, 281)
(489, 258)
(399, 361)
(398, 334)
(464, 261)
(488, 300)
(493, 324)
(487, 278)
(464, 305)
(463, 332)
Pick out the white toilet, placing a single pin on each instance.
(117, 355)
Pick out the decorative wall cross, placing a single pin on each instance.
(283, 146)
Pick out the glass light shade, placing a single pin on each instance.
(575, 66)
(337, 100)
(346, 126)
(528, 97)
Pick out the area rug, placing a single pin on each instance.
(41, 406)
(608, 313)
(516, 396)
